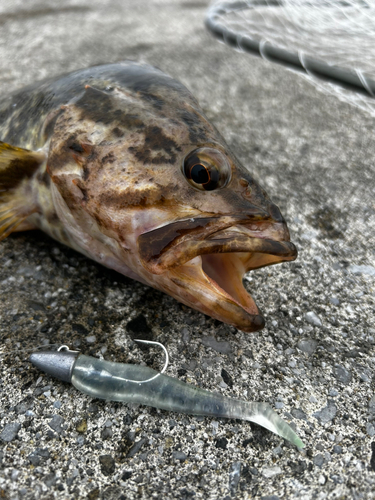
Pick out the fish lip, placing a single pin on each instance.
(181, 253)
(167, 247)
(208, 271)
(281, 250)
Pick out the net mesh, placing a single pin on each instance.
(339, 33)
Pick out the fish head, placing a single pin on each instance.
(233, 228)
(145, 184)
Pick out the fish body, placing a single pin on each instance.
(120, 163)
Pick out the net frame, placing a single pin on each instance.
(349, 79)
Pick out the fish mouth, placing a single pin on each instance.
(205, 268)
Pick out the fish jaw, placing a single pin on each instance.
(194, 286)
(206, 273)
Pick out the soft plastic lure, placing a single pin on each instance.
(142, 385)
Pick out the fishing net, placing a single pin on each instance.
(331, 42)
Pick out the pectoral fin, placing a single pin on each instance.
(17, 201)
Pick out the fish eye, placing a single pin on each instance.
(206, 169)
(199, 174)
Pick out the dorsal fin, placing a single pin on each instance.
(17, 166)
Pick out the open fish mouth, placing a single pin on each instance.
(205, 268)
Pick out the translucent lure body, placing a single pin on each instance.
(109, 380)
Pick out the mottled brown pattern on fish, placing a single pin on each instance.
(155, 141)
(133, 159)
(197, 130)
(16, 170)
(109, 158)
(101, 107)
(117, 132)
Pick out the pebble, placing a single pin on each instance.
(326, 414)
(81, 440)
(91, 339)
(15, 474)
(337, 479)
(370, 429)
(56, 424)
(221, 443)
(38, 456)
(10, 431)
(72, 477)
(307, 345)
(136, 447)
(318, 460)
(107, 464)
(337, 449)
(106, 433)
(277, 451)
(26, 271)
(333, 393)
(172, 423)
(226, 377)
(299, 414)
(185, 335)
(222, 347)
(179, 455)
(369, 270)
(365, 377)
(313, 319)
(234, 476)
(24, 405)
(371, 406)
(81, 426)
(334, 300)
(342, 374)
(269, 472)
(50, 479)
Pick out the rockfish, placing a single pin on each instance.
(120, 163)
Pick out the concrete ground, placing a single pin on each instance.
(314, 361)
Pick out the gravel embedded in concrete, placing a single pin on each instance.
(314, 361)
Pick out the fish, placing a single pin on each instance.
(120, 163)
